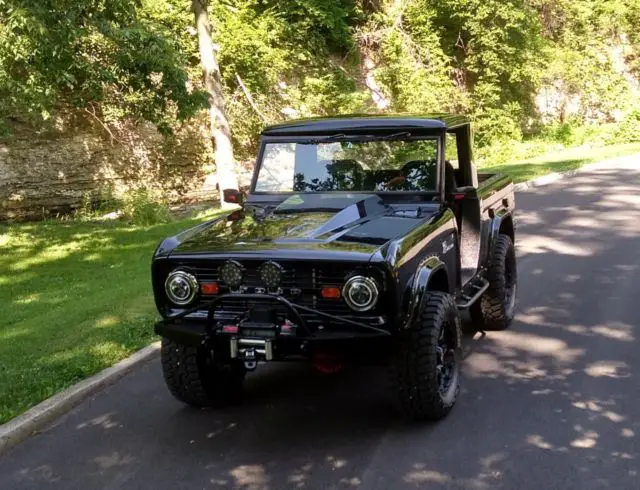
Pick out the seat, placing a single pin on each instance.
(450, 184)
(344, 175)
(329, 175)
(420, 175)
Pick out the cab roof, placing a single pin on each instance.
(354, 123)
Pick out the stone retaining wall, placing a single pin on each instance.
(48, 173)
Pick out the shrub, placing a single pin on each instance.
(144, 207)
(509, 151)
(563, 133)
(96, 204)
(628, 131)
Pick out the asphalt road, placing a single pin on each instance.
(552, 403)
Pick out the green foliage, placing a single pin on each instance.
(295, 56)
(76, 299)
(140, 207)
(629, 129)
(558, 138)
(563, 133)
(413, 68)
(495, 45)
(84, 52)
(144, 207)
(558, 161)
(586, 52)
(95, 205)
(489, 59)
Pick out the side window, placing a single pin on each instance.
(451, 152)
(452, 178)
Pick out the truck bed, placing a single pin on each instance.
(484, 176)
(496, 198)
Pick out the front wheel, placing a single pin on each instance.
(195, 378)
(425, 372)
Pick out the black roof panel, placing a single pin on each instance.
(370, 122)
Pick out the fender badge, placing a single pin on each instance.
(446, 247)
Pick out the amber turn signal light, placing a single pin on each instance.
(330, 293)
(209, 288)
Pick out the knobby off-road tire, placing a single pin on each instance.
(497, 305)
(415, 378)
(194, 378)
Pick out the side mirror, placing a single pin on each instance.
(236, 215)
(232, 196)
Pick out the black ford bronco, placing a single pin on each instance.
(367, 239)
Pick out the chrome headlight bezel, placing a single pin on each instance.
(369, 285)
(188, 279)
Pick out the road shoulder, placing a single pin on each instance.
(38, 417)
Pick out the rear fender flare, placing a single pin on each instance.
(419, 285)
(497, 221)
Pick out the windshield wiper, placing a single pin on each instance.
(324, 139)
(355, 137)
(395, 135)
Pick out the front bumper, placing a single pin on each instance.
(191, 333)
(184, 329)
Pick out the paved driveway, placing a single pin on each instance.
(552, 403)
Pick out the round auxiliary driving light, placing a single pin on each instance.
(181, 287)
(360, 293)
(231, 272)
(271, 274)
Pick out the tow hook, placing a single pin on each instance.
(249, 358)
(250, 350)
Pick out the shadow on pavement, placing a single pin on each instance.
(550, 403)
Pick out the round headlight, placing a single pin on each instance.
(231, 273)
(360, 293)
(181, 287)
(271, 274)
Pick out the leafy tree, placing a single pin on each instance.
(140, 60)
(87, 53)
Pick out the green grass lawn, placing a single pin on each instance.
(76, 298)
(563, 161)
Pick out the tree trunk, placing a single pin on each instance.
(220, 129)
(376, 93)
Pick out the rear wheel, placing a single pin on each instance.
(497, 305)
(195, 378)
(425, 373)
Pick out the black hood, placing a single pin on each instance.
(357, 223)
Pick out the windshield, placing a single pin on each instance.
(352, 166)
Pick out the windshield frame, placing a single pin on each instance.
(320, 138)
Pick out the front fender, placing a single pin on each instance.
(418, 286)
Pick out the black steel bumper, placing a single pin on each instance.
(192, 333)
(196, 331)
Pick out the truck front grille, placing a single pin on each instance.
(305, 277)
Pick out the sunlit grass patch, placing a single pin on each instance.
(76, 298)
(562, 161)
